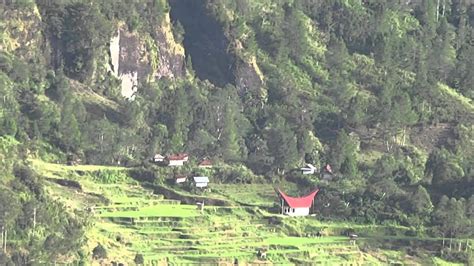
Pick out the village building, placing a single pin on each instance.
(328, 168)
(205, 164)
(158, 158)
(201, 181)
(326, 173)
(177, 159)
(309, 169)
(293, 206)
(73, 159)
(180, 179)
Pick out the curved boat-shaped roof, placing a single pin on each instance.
(301, 202)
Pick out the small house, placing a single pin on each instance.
(328, 168)
(327, 173)
(205, 164)
(308, 170)
(293, 206)
(180, 179)
(73, 159)
(177, 159)
(158, 158)
(201, 181)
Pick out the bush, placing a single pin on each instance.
(411, 232)
(99, 252)
(143, 174)
(110, 176)
(455, 256)
(139, 259)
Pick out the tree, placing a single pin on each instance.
(175, 113)
(463, 76)
(450, 217)
(260, 160)
(470, 208)
(444, 169)
(343, 155)
(444, 53)
(139, 260)
(85, 30)
(420, 206)
(9, 206)
(99, 252)
(296, 28)
(282, 144)
(229, 140)
(69, 132)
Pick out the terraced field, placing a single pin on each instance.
(217, 235)
(128, 219)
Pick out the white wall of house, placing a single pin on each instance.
(201, 184)
(175, 163)
(296, 211)
(180, 180)
(307, 171)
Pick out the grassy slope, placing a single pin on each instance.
(137, 221)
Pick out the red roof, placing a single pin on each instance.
(205, 163)
(303, 202)
(177, 157)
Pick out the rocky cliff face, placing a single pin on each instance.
(138, 57)
(171, 58)
(17, 35)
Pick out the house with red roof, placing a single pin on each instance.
(177, 159)
(296, 206)
(205, 164)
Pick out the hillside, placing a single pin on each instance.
(129, 219)
(377, 95)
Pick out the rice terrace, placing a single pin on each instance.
(130, 217)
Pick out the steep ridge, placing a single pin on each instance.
(204, 42)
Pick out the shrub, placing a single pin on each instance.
(99, 252)
(139, 259)
(110, 176)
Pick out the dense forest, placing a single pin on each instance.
(380, 90)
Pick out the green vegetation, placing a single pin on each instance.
(153, 211)
(381, 91)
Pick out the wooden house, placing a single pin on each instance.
(177, 159)
(205, 164)
(327, 173)
(158, 158)
(201, 181)
(180, 179)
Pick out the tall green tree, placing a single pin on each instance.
(229, 139)
(343, 155)
(69, 132)
(281, 141)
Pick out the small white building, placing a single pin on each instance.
(292, 206)
(180, 179)
(309, 169)
(201, 181)
(158, 158)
